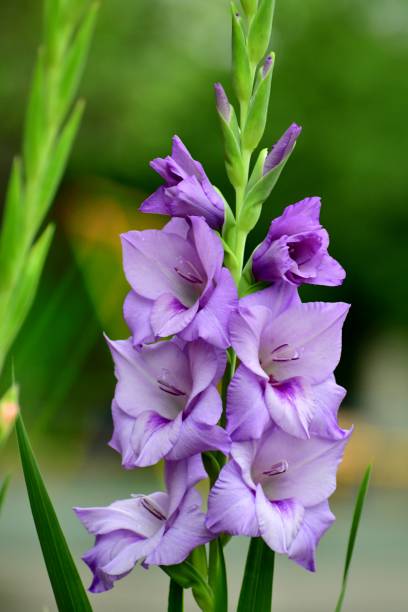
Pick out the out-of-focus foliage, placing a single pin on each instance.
(339, 72)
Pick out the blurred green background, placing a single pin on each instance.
(341, 73)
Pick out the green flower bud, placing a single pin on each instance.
(230, 132)
(241, 71)
(257, 171)
(249, 7)
(260, 31)
(258, 110)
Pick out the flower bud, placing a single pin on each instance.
(241, 71)
(260, 31)
(9, 409)
(222, 102)
(258, 110)
(260, 189)
(230, 132)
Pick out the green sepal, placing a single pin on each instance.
(260, 31)
(186, 575)
(249, 7)
(241, 70)
(233, 158)
(261, 190)
(257, 171)
(258, 110)
(212, 467)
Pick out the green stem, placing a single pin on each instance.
(175, 601)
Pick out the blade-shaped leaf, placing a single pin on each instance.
(57, 162)
(35, 118)
(175, 602)
(217, 576)
(75, 61)
(3, 490)
(24, 292)
(256, 589)
(67, 586)
(358, 509)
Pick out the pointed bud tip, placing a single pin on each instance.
(223, 105)
(268, 63)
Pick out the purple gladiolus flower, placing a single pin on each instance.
(295, 249)
(187, 191)
(178, 282)
(166, 402)
(282, 148)
(288, 352)
(277, 487)
(156, 529)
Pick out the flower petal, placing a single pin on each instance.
(291, 405)
(180, 476)
(327, 398)
(154, 437)
(207, 407)
(247, 415)
(313, 331)
(231, 504)
(207, 365)
(196, 438)
(246, 328)
(183, 535)
(279, 521)
(169, 316)
(136, 312)
(317, 520)
(212, 321)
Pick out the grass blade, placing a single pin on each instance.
(256, 589)
(3, 490)
(358, 509)
(65, 581)
(175, 603)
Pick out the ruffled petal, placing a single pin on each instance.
(291, 405)
(231, 504)
(279, 521)
(317, 520)
(247, 415)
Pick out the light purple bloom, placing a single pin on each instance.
(288, 352)
(166, 402)
(295, 249)
(156, 529)
(178, 282)
(277, 487)
(187, 190)
(282, 148)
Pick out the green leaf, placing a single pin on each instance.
(186, 575)
(217, 576)
(25, 290)
(11, 229)
(358, 509)
(67, 586)
(175, 601)
(35, 118)
(3, 490)
(74, 62)
(57, 162)
(256, 589)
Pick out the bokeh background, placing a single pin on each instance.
(341, 72)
